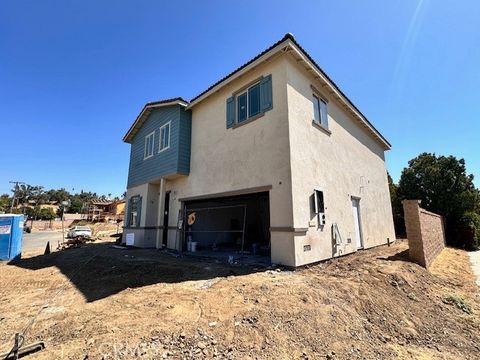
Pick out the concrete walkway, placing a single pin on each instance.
(475, 260)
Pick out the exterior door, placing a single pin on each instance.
(165, 218)
(357, 222)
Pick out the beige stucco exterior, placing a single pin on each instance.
(345, 163)
(281, 151)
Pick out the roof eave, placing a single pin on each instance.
(240, 73)
(147, 108)
(287, 44)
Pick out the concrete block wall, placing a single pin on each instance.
(425, 232)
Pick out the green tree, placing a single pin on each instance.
(58, 195)
(443, 186)
(47, 214)
(397, 208)
(5, 202)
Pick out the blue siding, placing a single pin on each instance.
(185, 142)
(174, 160)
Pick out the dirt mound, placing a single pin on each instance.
(123, 304)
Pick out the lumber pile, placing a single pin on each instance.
(76, 242)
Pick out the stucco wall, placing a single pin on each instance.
(347, 162)
(145, 236)
(282, 150)
(252, 155)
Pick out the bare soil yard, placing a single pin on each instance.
(105, 303)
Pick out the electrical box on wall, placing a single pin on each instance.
(321, 219)
(319, 207)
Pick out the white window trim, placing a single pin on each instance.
(237, 120)
(152, 135)
(160, 137)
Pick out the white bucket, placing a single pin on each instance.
(193, 246)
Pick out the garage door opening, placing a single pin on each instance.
(228, 226)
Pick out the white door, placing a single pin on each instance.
(356, 222)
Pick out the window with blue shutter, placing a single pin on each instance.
(251, 102)
(320, 111)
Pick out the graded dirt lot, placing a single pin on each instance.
(106, 303)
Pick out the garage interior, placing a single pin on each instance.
(237, 226)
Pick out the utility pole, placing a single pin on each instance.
(15, 193)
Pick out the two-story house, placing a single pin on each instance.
(271, 160)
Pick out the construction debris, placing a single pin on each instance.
(76, 242)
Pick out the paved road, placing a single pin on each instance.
(475, 260)
(38, 240)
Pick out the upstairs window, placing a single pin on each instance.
(320, 111)
(248, 103)
(251, 102)
(164, 137)
(149, 143)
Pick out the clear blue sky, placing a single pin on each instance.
(74, 74)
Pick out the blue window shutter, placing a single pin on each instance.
(324, 113)
(316, 109)
(139, 210)
(254, 100)
(129, 212)
(230, 112)
(266, 102)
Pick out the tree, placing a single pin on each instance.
(24, 193)
(397, 208)
(47, 214)
(5, 202)
(58, 195)
(443, 186)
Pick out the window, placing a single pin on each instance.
(254, 100)
(149, 140)
(250, 102)
(242, 107)
(320, 111)
(134, 211)
(164, 137)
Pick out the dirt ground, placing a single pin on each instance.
(106, 303)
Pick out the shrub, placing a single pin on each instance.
(469, 230)
(459, 303)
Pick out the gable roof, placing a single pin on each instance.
(147, 109)
(287, 44)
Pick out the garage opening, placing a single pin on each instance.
(229, 226)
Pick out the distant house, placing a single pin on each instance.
(34, 203)
(105, 210)
(272, 159)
